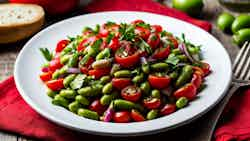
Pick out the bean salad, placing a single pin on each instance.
(124, 72)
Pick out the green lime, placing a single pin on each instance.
(225, 21)
(191, 7)
(242, 21)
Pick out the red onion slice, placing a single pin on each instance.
(45, 69)
(184, 50)
(73, 70)
(108, 114)
(143, 60)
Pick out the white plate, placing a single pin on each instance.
(27, 70)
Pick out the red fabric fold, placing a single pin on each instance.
(146, 6)
(236, 121)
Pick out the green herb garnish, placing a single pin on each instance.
(46, 54)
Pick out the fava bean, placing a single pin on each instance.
(97, 89)
(67, 93)
(152, 114)
(123, 104)
(67, 80)
(56, 74)
(73, 60)
(103, 54)
(138, 79)
(181, 102)
(185, 75)
(114, 69)
(107, 88)
(83, 100)
(156, 93)
(159, 66)
(145, 87)
(146, 68)
(51, 93)
(74, 106)
(176, 51)
(101, 64)
(85, 91)
(173, 75)
(182, 58)
(59, 100)
(122, 73)
(65, 59)
(105, 79)
(88, 114)
(106, 99)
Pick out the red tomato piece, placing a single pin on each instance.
(199, 71)
(46, 76)
(137, 21)
(122, 117)
(55, 64)
(153, 40)
(174, 41)
(196, 80)
(188, 91)
(156, 28)
(55, 85)
(136, 116)
(142, 32)
(120, 83)
(127, 61)
(84, 43)
(152, 103)
(168, 109)
(161, 53)
(103, 32)
(97, 107)
(97, 73)
(84, 70)
(114, 44)
(131, 93)
(159, 82)
(61, 45)
(206, 68)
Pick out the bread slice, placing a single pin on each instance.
(19, 21)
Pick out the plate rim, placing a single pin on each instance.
(28, 100)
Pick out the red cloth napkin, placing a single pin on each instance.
(236, 121)
(16, 116)
(146, 6)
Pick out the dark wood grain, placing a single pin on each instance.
(9, 52)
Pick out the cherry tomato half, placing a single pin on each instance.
(127, 61)
(103, 32)
(114, 44)
(188, 91)
(97, 107)
(142, 32)
(55, 64)
(136, 116)
(137, 21)
(55, 85)
(97, 73)
(168, 109)
(153, 40)
(174, 41)
(161, 53)
(206, 68)
(196, 80)
(152, 103)
(120, 83)
(84, 43)
(46, 76)
(131, 93)
(199, 71)
(61, 45)
(122, 117)
(156, 28)
(159, 82)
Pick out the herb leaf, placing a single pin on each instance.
(78, 81)
(84, 60)
(46, 54)
(172, 59)
(110, 37)
(127, 32)
(144, 25)
(145, 46)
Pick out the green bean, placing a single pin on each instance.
(181, 102)
(159, 66)
(145, 68)
(88, 114)
(59, 100)
(106, 99)
(67, 93)
(145, 87)
(176, 51)
(155, 93)
(185, 75)
(152, 114)
(56, 74)
(73, 60)
(65, 59)
(67, 80)
(138, 79)
(123, 104)
(103, 54)
(182, 58)
(85, 91)
(51, 93)
(97, 89)
(122, 73)
(107, 88)
(105, 79)
(173, 75)
(193, 50)
(83, 100)
(74, 106)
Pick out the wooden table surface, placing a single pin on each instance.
(8, 53)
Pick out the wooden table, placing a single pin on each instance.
(8, 54)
